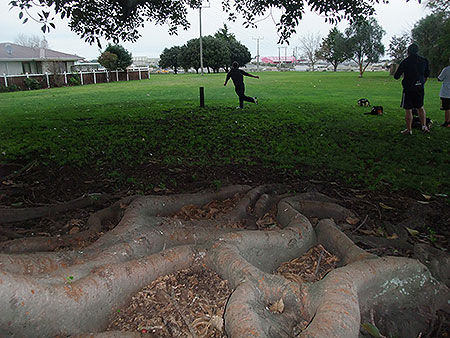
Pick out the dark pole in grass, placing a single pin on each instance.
(202, 97)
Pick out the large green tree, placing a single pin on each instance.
(108, 60)
(333, 48)
(432, 35)
(237, 51)
(170, 58)
(190, 55)
(364, 44)
(216, 54)
(120, 19)
(124, 58)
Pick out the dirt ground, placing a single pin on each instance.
(191, 302)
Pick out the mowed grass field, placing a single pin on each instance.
(307, 125)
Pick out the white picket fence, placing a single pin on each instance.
(143, 73)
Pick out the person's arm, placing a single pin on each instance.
(248, 74)
(441, 76)
(427, 71)
(399, 71)
(226, 79)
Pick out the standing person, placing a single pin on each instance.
(445, 94)
(237, 75)
(415, 72)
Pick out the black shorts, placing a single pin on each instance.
(445, 103)
(413, 99)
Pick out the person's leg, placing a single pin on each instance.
(447, 115)
(423, 118)
(240, 92)
(247, 98)
(408, 120)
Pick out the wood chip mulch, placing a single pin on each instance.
(212, 210)
(189, 303)
(310, 267)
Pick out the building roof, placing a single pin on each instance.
(13, 52)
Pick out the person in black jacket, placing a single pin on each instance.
(237, 75)
(415, 72)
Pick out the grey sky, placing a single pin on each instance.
(396, 17)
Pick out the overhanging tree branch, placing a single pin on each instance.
(120, 19)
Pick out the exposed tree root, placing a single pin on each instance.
(8, 215)
(75, 292)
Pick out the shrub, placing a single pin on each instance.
(74, 80)
(10, 88)
(32, 84)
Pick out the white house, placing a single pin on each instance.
(16, 59)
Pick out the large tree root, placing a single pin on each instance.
(75, 292)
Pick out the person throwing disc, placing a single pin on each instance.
(237, 75)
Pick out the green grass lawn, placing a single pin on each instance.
(306, 124)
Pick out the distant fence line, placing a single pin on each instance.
(49, 80)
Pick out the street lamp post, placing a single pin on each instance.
(201, 42)
(257, 51)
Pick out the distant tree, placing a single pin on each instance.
(439, 6)
(216, 53)
(239, 53)
(225, 34)
(32, 41)
(169, 58)
(398, 47)
(183, 60)
(310, 45)
(364, 44)
(124, 58)
(190, 55)
(432, 35)
(398, 50)
(333, 48)
(108, 60)
(120, 19)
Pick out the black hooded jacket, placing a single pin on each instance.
(415, 72)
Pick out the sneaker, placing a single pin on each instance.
(406, 132)
(445, 124)
(425, 129)
(256, 100)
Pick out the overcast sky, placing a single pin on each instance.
(396, 18)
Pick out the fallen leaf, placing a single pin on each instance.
(384, 206)
(367, 232)
(360, 196)
(412, 232)
(372, 330)
(426, 196)
(441, 195)
(394, 236)
(74, 230)
(423, 202)
(352, 220)
(278, 306)
(217, 322)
